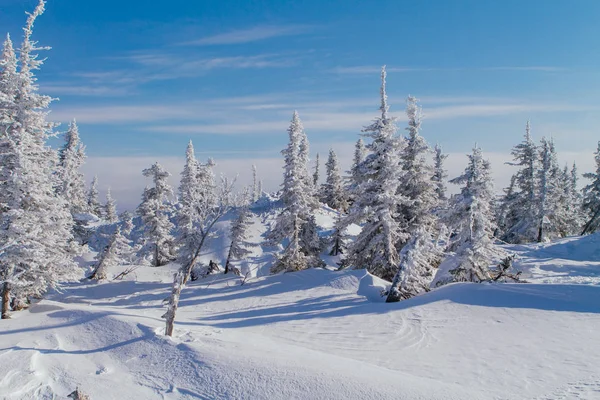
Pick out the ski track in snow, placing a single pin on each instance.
(315, 334)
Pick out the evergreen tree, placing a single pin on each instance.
(591, 198)
(472, 222)
(333, 192)
(576, 216)
(110, 208)
(419, 256)
(299, 202)
(239, 236)
(127, 225)
(416, 184)
(551, 201)
(255, 193)
(71, 158)
(35, 223)
(117, 252)
(154, 212)
(522, 209)
(415, 271)
(440, 175)
(377, 199)
(93, 203)
(316, 173)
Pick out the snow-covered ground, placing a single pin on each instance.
(316, 334)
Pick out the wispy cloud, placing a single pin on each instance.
(85, 90)
(373, 69)
(249, 35)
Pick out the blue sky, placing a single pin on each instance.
(142, 78)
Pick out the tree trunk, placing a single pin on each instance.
(6, 300)
(228, 262)
(156, 260)
(179, 281)
(394, 293)
(540, 233)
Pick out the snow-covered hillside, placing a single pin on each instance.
(315, 334)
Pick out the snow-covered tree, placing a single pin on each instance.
(213, 203)
(338, 239)
(591, 198)
(472, 222)
(416, 184)
(239, 236)
(440, 174)
(154, 211)
(117, 252)
(71, 158)
(552, 200)
(576, 215)
(35, 222)
(255, 193)
(316, 173)
(93, 202)
(127, 225)
(377, 199)
(110, 208)
(522, 209)
(418, 258)
(333, 192)
(298, 199)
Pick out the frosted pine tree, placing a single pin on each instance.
(440, 175)
(576, 217)
(415, 271)
(552, 202)
(93, 202)
(127, 225)
(71, 158)
(416, 184)
(154, 212)
(110, 208)
(295, 220)
(117, 252)
(521, 223)
(316, 173)
(333, 192)
(591, 198)
(377, 199)
(419, 256)
(35, 223)
(472, 222)
(239, 237)
(255, 193)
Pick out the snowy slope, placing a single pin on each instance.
(316, 334)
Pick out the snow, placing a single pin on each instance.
(314, 334)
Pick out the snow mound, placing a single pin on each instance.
(372, 288)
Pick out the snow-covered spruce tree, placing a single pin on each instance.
(333, 191)
(127, 225)
(338, 239)
(551, 200)
(415, 271)
(93, 203)
(154, 211)
(316, 173)
(377, 199)
(201, 213)
(440, 175)
(35, 222)
(239, 236)
(110, 208)
(472, 222)
(576, 218)
(416, 184)
(521, 216)
(419, 260)
(591, 198)
(71, 158)
(299, 203)
(117, 252)
(255, 194)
